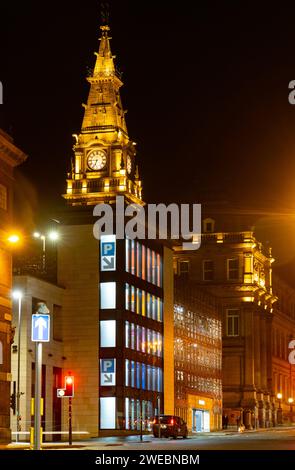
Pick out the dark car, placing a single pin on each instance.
(169, 426)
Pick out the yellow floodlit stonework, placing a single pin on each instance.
(103, 151)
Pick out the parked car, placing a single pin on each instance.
(169, 426)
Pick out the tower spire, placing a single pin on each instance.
(104, 155)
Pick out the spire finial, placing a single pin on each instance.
(105, 15)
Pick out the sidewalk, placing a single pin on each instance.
(119, 440)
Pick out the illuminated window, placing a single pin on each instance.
(138, 303)
(107, 295)
(149, 262)
(127, 370)
(107, 413)
(3, 197)
(132, 299)
(143, 376)
(232, 322)
(127, 254)
(143, 303)
(138, 259)
(138, 338)
(143, 340)
(138, 374)
(132, 267)
(127, 332)
(132, 374)
(132, 342)
(143, 261)
(208, 270)
(108, 334)
(233, 269)
(159, 270)
(154, 268)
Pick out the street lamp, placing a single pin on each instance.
(18, 295)
(290, 401)
(53, 236)
(280, 413)
(13, 238)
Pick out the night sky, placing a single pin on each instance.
(205, 85)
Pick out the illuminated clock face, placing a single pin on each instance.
(129, 164)
(97, 160)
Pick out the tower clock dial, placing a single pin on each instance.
(129, 164)
(97, 160)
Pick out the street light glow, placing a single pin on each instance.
(290, 400)
(17, 294)
(36, 234)
(279, 396)
(13, 238)
(53, 236)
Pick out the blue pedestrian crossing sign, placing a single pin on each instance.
(40, 328)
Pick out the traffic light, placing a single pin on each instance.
(69, 386)
(13, 402)
(68, 390)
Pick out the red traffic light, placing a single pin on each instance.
(68, 390)
(69, 386)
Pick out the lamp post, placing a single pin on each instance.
(290, 401)
(53, 235)
(280, 411)
(17, 295)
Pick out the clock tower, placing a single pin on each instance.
(104, 163)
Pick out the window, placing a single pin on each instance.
(233, 269)
(127, 330)
(132, 374)
(208, 270)
(208, 225)
(183, 268)
(108, 413)
(232, 322)
(107, 295)
(143, 303)
(3, 197)
(127, 370)
(108, 334)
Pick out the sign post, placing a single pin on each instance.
(70, 422)
(68, 392)
(40, 334)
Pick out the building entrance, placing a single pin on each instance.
(200, 421)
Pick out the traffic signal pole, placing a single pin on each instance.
(70, 421)
(37, 410)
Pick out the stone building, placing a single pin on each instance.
(10, 157)
(233, 265)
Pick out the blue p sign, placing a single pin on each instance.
(108, 249)
(108, 365)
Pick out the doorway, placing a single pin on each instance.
(200, 421)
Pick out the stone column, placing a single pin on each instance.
(257, 341)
